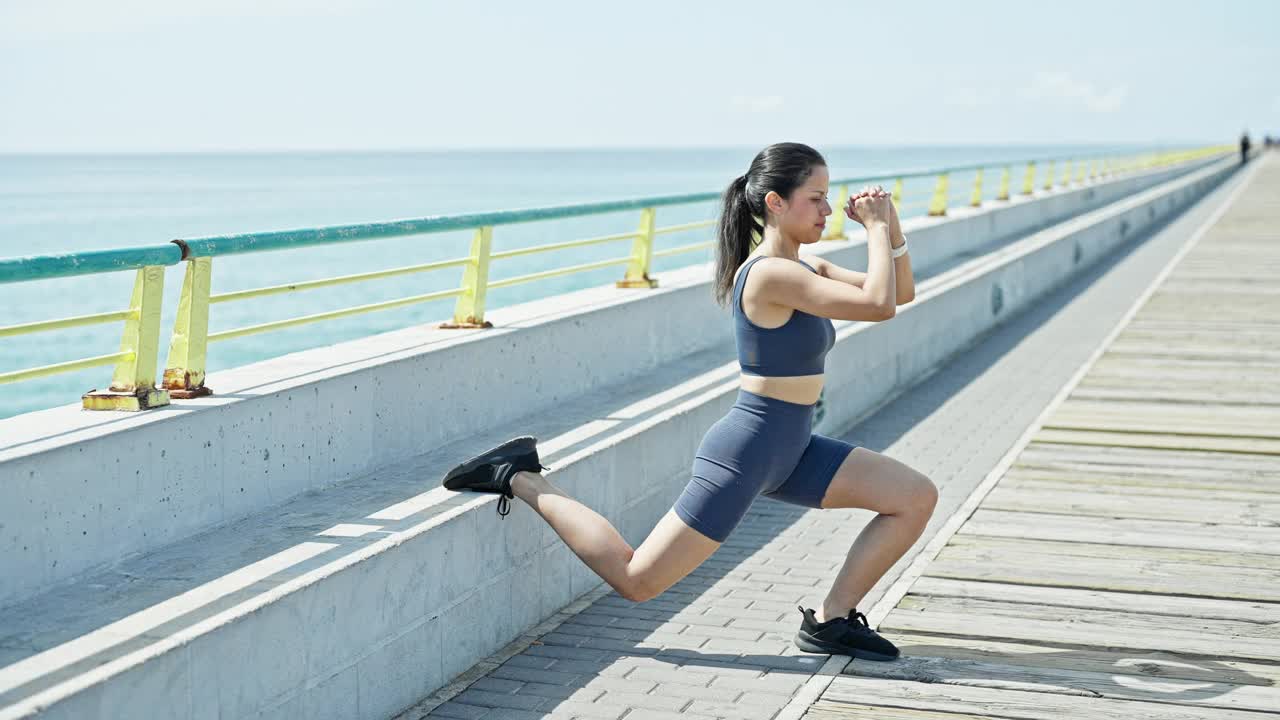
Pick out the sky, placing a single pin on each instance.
(206, 75)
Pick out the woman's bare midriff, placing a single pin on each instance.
(800, 389)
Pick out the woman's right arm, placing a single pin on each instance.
(880, 282)
(790, 285)
(872, 209)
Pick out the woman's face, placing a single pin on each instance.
(803, 215)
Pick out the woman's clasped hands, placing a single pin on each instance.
(870, 205)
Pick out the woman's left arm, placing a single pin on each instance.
(905, 283)
(905, 286)
(828, 269)
(901, 266)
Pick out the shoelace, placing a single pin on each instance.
(859, 617)
(504, 498)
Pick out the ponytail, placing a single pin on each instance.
(779, 168)
(734, 236)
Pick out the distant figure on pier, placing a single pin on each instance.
(781, 314)
(1244, 147)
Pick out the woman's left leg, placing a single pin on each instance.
(862, 478)
(904, 499)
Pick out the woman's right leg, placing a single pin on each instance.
(671, 551)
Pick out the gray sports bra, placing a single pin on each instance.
(797, 347)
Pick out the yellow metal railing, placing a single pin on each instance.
(184, 374)
(133, 380)
(948, 193)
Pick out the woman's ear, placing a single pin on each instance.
(774, 202)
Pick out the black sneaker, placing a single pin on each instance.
(492, 470)
(850, 635)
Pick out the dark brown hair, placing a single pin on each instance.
(780, 168)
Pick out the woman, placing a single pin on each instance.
(782, 310)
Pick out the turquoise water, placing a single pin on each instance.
(65, 203)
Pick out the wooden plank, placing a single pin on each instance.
(1194, 433)
(1244, 396)
(1135, 486)
(1204, 340)
(1230, 306)
(1251, 360)
(1207, 637)
(1179, 367)
(1257, 354)
(1162, 370)
(1194, 315)
(1019, 704)
(1248, 355)
(1208, 314)
(1162, 459)
(1225, 304)
(1226, 486)
(1150, 462)
(1237, 332)
(1180, 391)
(1146, 604)
(1119, 661)
(1180, 375)
(1219, 420)
(1207, 283)
(1150, 603)
(1218, 480)
(1249, 332)
(1200, 420)
(1260, 417)
(1257, 325)
(1173, 442)
(830, 710)
(1184, 413)
(1266, 393)
(1261, 334)
(1123, 531)
(1149, 506)
(1092, 552)
(1041, 566)
(1184, 378)
(1072, 681)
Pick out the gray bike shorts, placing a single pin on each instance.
(763, 446)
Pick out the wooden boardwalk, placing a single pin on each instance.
(1127, 564)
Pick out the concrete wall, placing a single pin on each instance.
(85, 489)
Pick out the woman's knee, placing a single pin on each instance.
(916, 494)
(640, 587)
(638, 592)
(924, 496)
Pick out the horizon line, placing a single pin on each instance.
(575, 148)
